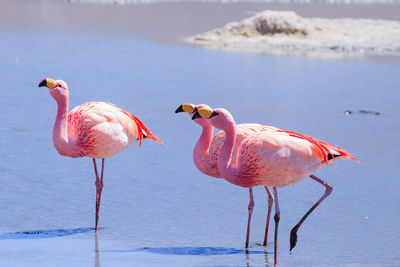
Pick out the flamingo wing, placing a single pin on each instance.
(324, 150)
(101, 130)
(282, 157)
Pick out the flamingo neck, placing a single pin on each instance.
(228, 169)
(60, 130)
(201, 150)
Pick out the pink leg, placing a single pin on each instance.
(293, 232)
(99, 188)
(250, 208)
(270, 202)
(276, 219)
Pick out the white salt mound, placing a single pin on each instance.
(285, 32)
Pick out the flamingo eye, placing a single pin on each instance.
(214, 114)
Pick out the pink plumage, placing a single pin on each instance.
(281, 158)
(242, 132)
(101, 130)
(268, 156)
(94, 130)
(208, 147)
(272, 157)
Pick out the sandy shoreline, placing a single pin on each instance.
(163, 22)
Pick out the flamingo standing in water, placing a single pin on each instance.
(271, 158)
(94, 130)
(207, 149)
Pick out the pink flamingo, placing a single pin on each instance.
(94, 130)
(207, 149)
(271, 158)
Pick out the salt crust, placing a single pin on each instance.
(285, 32)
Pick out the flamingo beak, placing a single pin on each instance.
(47, 82)
(196, 116)
(205, 113)
(189, 108)
(180, 109)
(43, 83)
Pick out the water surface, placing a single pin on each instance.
(157, 209)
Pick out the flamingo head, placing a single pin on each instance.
(58, 89)
(191, 110)
(219, 117)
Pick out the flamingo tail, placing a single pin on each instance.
(340, 152)
(327, 151)
(143, 132)
(146, 132)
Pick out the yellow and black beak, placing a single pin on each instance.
(180, 109)
(47, 82)
(189, 108)
(196, 115)
(204, 113)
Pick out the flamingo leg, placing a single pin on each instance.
(293, 232)
(99, 188)
(276, 219)
(250, 208)
(270, 202)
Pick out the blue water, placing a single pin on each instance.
(157, 209)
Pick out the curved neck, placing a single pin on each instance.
(201, 150)
(60, 130)
(227, 169)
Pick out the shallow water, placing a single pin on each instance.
(157, 209)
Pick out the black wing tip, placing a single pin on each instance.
(332, 156)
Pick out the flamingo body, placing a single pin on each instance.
(94, 130)
(101, 130)
(208, 148)
(277, 159)
(271, 157)
(274, 158)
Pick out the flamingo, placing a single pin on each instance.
(271, 158)
(93, 129)
(207, 149)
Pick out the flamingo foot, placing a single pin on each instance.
(293, 237)
(262, 245)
